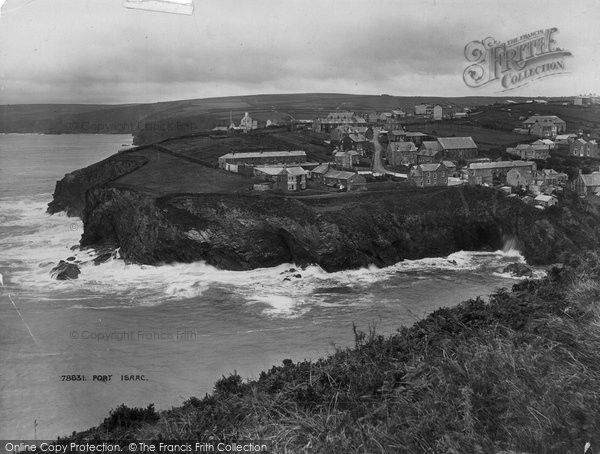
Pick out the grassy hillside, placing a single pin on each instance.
(507, 117)
(187, 116)
(519, 372)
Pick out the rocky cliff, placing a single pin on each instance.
(243, 231)
(69, 193)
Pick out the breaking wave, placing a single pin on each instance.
(32, 243)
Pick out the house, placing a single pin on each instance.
(530, 151)
(337, 118)
(317, 173)
(385, 116)
(424, 109)
(398, 113)
(551, 177)
(346, 159)
(338, 133)
(397, 136)
(426, 175)
(545, 200)
(587, 184)
(457, 148)
(495, 172)
(437, 112)
(451, 168)
(519, 177)
(565, 139)
(358, 142)
(346, 181)
(550, 145)
(417, 137)
(401, 153)
(281, 178)
(247, 123)
(429, 151)
(292, 179)
(583, 148)
(261, 158)
(545, 125)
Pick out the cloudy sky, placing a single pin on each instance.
(97, 51)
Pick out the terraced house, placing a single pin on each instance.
(427, 175)
(430, 151)
(401, 153)
(545, 125)
(335, 119)
(495, 172)
(230, 161)
(584, 148)
(530, 151)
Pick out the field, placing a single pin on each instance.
(209, 149)
(167, 174)
(507, 117)
(485, 138)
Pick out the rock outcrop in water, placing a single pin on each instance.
(65, 271)
(518, 270)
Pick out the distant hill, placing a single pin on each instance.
(156, 121)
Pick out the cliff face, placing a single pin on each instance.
(233, 231)
(69, 193)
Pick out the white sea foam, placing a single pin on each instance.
(37, 241)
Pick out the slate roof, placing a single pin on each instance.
(322, 168)
(270, 170)
(499, 164)
(452, 143)
(339, 174)
(543, 119)
(544, 198)
(265, 154)
(592, 179)
(432, 145)
(431, 167)
(402, 146)
(296, 171)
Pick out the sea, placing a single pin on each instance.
(70, 351)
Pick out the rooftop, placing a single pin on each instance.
(543, 119)
(500, 164)
(265, 154)
(449, 143)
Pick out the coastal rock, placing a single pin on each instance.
(69, 193)
(518, 270)
(105, 253)
(65, 271)
(242, 231)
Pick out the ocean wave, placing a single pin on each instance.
(30, 253)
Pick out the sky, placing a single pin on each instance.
(98, 51)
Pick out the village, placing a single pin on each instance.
(371, 147)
